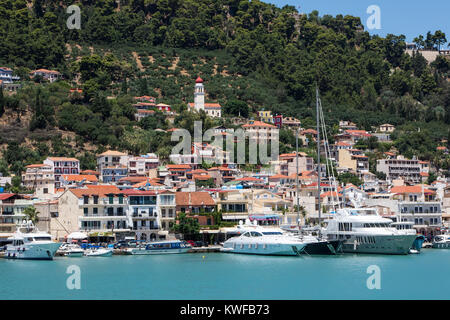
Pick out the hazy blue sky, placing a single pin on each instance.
(408, 17)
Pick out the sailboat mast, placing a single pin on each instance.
(296, 192)
(318, 154)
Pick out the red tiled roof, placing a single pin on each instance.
(258, 124)
(178, 166)
(358, 133)
(62, 159)
(45, 71)
(410, 189)
(194, 199)
(199, 80)
(80, 177)
(38, 165)
(111, 153)
(309, 131)
(90, 190)
(329, 194)
(153, 182)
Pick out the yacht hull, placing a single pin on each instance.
(268, 250)
(330, 247)
(74, 254)
(41, 251)
(441, 245)
(138, 252)
(382, 244)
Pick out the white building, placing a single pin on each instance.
(212, 109)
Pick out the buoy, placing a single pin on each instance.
(203, 257)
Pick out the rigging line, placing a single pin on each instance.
(329, 165)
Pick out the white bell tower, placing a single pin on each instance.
(199, 95)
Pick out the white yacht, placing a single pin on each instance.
(30, 243)
(254, 239)
(99, 252)
(364, 231)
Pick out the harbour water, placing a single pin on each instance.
(230, 276)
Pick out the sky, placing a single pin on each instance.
(408, 17)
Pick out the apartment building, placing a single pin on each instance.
(140, 166)
(353, 160)
(94, 209)
(143, 213)
(260, 132)
(62, 165)
(112, 165)
(40, 178)
(400, 167)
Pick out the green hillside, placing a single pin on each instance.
(248, 53)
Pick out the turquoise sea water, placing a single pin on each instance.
(230, 276)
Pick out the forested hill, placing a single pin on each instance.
(248, 52)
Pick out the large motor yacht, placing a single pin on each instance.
(30, 243)
(364, 231)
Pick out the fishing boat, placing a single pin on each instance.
(99, 252)
(30, 243)
(160, 247)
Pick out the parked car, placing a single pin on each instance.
(199, 244)
(192, 243)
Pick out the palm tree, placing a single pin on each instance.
(31, 214)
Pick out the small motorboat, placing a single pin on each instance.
(100, 252)
(441, 241)
(71, 250)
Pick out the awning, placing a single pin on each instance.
(264, 217)
(77, 235)
(101, 234)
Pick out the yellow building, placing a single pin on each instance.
(265, 116)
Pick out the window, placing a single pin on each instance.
(85, 199)
(120, 211)
(86, 212)
(95, 210)
(45, 190)
(95, 199)
(120, 199)
(111, 199)
(163, 213)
